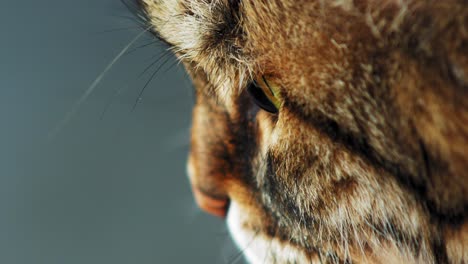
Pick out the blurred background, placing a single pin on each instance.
(89, 173)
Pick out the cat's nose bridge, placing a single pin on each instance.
(209, 198)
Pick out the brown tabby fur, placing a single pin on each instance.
(367, 160)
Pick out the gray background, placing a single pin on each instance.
(109, 186)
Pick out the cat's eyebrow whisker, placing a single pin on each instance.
(161, 56)
(92, 87)
(136, 11)
(148, 82)
(142, 46)
(119, 91)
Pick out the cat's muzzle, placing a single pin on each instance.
(213, 205)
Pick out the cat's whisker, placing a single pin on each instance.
(176, 62)
(153, 42)
(135, 10)
(161, 56)
(117, 29)
(120, 90)
(111, 100)
(92, 87)
(132, 19)
(267, 252)
(227, 250)
(140, 95)
(240, 254)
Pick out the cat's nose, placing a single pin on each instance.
(216, 206)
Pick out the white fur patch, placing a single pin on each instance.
(257, 247)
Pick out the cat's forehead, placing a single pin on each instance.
(306, 44)
(206, 34)
(235, 41)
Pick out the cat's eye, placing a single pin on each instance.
(265, 94)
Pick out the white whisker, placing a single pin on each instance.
(91, 88)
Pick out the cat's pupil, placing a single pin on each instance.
(261, 99)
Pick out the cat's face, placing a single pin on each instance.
(328, 130)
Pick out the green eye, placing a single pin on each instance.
(265, 95)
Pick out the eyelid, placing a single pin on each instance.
(268, 85)
(270, 90)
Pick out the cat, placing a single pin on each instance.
(328, 131)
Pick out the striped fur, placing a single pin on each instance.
(366, 160)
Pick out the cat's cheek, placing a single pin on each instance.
(257, 247)
(266, 126)
(242, 237)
